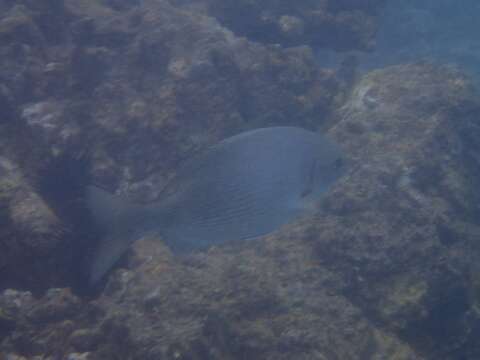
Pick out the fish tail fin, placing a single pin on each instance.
(106, 255)
(116, 217)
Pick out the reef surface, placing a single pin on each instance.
(119, 93)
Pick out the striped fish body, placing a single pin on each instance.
(244, 187)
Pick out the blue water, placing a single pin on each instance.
(438, 31)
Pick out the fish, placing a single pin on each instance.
(241, 188)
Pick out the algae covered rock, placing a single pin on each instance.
(396, 240)
(59, 325)
(30, 232)
(385, 270)
(141, 87)
(339, 25)
(91, 91)
(405, 231)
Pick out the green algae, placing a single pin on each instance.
(405, 293)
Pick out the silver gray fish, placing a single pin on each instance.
(244, 187)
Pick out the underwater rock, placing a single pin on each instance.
(134, 90)
(268, 299)
(140, 88)
(187, 82)
(52, 324)
(392, 240)
(78, 356)
(403, 228)
(31, 232)
(338, 25)
(372, 276)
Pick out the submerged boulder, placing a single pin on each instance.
(385, 269)
(30, 233)
(92, 91)
(397, 239)
(403, 229)
(338, 25)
